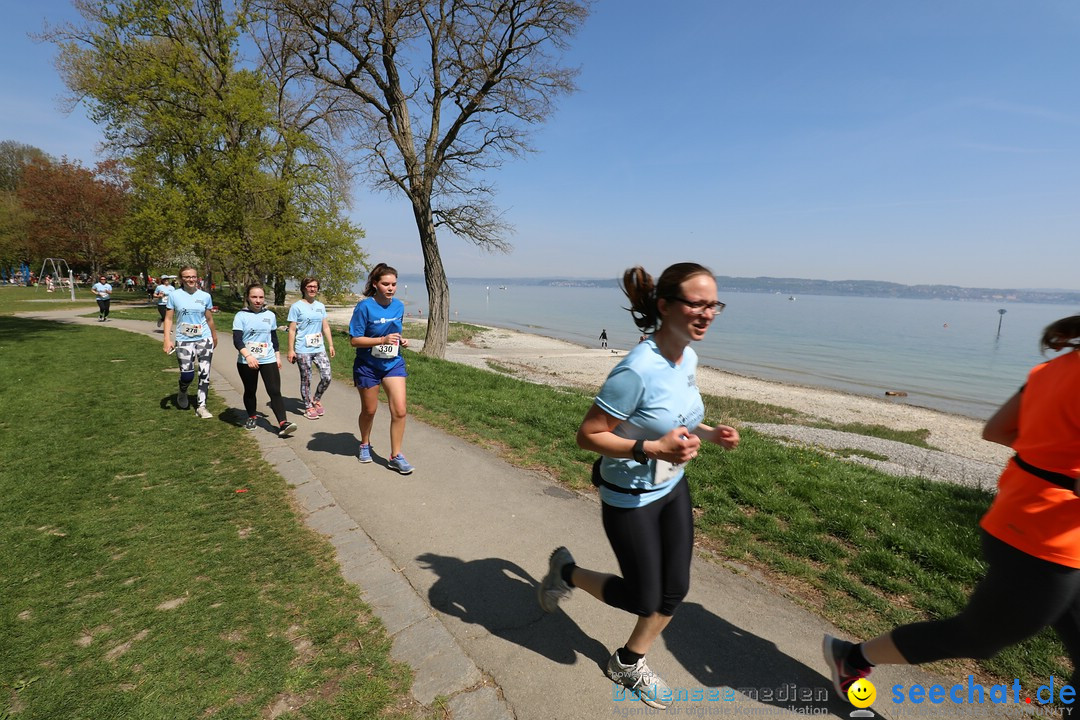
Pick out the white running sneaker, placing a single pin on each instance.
(646, 684)
(553, 588)
(202, 412)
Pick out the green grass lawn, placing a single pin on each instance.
(152, 565)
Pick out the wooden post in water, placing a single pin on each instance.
(1001, 316)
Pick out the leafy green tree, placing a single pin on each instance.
(217, 171)
(436, 92)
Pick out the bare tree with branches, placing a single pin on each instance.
(439, 91)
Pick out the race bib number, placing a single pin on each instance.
(191, 329)
(259, 350)
(313, 341)
(384, 352)
(665, 471)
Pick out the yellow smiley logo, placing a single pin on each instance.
(862, 693)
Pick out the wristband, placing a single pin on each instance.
(638, 451)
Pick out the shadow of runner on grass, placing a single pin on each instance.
(500, 596)
(721, 655)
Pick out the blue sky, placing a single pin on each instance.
(915, 142)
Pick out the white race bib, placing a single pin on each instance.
(384, 352)
(313, 341)
(259, 350)
(664, 471)
(191, 329)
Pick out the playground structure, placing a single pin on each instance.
(61, 273)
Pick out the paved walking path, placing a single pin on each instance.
(450, 556)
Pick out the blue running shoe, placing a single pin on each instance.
(399, 463)
(365, 453)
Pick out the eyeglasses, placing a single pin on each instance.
(700, 307)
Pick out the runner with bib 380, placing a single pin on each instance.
(375, 332)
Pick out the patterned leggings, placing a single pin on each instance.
(303, 363)
(187, 353)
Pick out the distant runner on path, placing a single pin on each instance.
(603, 338)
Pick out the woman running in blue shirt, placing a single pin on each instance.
(375, 332)
(647, 422)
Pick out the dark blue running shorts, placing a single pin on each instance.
(365, 376)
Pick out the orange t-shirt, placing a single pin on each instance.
(1032, 514)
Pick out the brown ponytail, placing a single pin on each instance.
(643, 293)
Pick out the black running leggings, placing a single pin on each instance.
(271, 380)
(653, 544)
(103, 306)
(1019, 596)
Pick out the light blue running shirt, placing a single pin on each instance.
(104, 288)
(309, 319)
(189, 314)
(258, 329)
(651, 397)
(163, 288)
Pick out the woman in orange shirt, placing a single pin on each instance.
(1030, 535)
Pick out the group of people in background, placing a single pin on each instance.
(375, 330)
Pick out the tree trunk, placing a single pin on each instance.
(438, 290)
(279, 289)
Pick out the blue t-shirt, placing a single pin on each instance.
(370, 319)
(308, 317)
(166, 290)
(104, 290)
(651, 396)
(259, 334)
(189, 314)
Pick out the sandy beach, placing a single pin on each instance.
(555, 362)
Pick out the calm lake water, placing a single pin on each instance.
(946, 355)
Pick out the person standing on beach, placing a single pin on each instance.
(103, 295)
(1030, 535)
(255, 338)
(189, 310)
(161, 294)
(309, 342)
(603, 338)
(646, 423)
(375, 332)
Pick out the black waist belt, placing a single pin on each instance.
(1059, 479)
(601, 482)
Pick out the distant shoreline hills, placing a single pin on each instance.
(803, 286)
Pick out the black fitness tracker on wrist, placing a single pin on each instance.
(638, 452)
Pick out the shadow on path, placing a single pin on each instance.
(719, 654)
(500, 596)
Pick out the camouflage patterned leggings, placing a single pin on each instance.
(304, 362)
